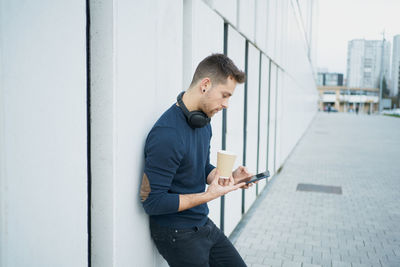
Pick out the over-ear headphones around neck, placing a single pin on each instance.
(196, 118)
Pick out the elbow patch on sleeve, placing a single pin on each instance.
(145, 188)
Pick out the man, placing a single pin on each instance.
(177, 168)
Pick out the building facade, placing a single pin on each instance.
(345, 99)
(364, 63)
(73, 130)
(395, 78)
(330, 79)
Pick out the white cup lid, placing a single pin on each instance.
(227, 152)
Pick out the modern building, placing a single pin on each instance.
(364, 63)
(395, 78)
(330, 79)
(82, 86)
(345, 99)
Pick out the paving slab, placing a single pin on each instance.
(358, 225)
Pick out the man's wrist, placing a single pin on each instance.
(210, 176)
(208, 196)
(187, 201)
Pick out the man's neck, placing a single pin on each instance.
(190, 100)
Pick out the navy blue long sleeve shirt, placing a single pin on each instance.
(176, 162)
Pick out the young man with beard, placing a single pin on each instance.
(177, 168)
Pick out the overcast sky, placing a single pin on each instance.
(340, 21)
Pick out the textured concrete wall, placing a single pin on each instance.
(43, 137)
(145, 49)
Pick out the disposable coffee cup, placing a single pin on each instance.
(225, 161)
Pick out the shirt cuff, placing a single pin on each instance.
(209, 168)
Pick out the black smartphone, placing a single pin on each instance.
(257, 177)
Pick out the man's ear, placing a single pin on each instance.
(205, 84)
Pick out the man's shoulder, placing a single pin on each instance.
(168, 127)
(169, 118)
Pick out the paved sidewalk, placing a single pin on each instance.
(361, 227)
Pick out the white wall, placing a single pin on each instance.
(271, 28)
(142, 55)
(252, 119)
(200, 40)
(263, 118)
(226, 8)
(261, 22)
(43, 136)
(146, 55)
(280, 104)
(246, 18)
(272, 119)
(102, 131)
(148, 75)
(234, 132)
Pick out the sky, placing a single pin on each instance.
(340, 21)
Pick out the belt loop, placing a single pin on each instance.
(196, 228)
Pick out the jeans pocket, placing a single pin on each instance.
(184, 236)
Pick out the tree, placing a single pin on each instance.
(385, 90)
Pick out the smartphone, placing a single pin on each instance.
(261, 175)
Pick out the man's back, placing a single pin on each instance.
(177, 169)
(176, 157)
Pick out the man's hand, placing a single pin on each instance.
(216, 190)
(221, 181)
(241, 173)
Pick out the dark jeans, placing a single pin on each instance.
(198, 246)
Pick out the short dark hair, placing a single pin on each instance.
(218, 68)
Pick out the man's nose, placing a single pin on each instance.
(225, 104)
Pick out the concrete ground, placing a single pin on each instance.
(360, 227)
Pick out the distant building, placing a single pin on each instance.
(330, 79)
(344, 99)
(364, 63)
(395, 66)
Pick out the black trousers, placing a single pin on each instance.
(199, 246)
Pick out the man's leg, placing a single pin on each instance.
(223, 253)
(183, 247)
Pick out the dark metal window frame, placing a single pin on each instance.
(246, 70)
(224, 118)
(269, 109)
(88, 119)
(224, 123)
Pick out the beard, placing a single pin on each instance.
(208, 109)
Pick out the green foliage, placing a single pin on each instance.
(385, 90)
(392, 115)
